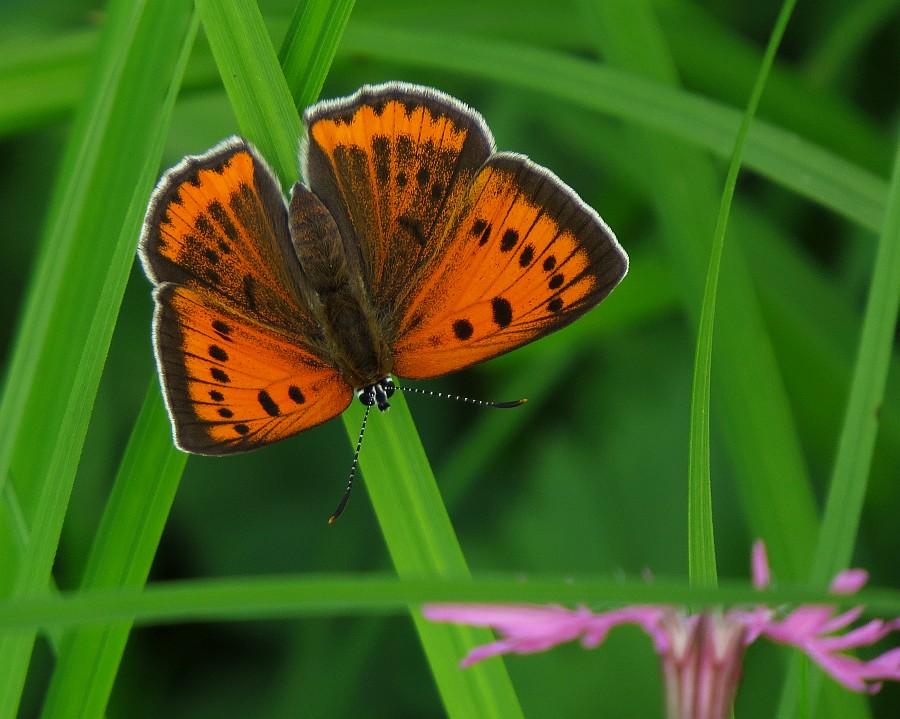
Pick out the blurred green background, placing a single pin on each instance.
(588, 478)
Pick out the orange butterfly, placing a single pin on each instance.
(413, 248)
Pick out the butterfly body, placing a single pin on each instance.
(354, 339)
(411, 248)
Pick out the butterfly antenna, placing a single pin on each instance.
(457, 398)
(346, 497)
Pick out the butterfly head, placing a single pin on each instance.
(377, 394)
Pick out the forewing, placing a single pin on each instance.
(524, 258)
(393, 164)
(217, 223)
(231, 384)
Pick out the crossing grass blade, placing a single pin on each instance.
(127, 539)
(73, 300)
(420, 537)
(123, 550)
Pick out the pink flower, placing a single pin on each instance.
(702, 654)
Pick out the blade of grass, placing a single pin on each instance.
(134, 518)
(310, 45)
(849, 479)
(422, 543)
(121, 556)
(757, 420)
(752, 404)
(701, 541)
(13, 513)
(74, 297)
(254, 82)
(324, 595)
(780, 155)
(419, 543)
(724, 66)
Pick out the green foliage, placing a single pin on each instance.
(637, 106)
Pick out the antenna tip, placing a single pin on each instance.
(507, 405)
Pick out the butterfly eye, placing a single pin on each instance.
(377, 394)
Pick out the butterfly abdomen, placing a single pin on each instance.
(357, 347)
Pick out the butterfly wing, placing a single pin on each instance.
(392, 164)
(240, 354)
(525, 257)
(217, 223)
(468, 254)
(232, 384)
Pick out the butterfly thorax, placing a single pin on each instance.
(331, 282)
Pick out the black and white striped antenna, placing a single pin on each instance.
(368, 397)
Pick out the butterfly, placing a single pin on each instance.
(412, 248)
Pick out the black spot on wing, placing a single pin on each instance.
(381, 153)
(463, 329)
(481, 229)
(502, 311)
(268, 404)
(223, 328)
(509, 240)
(217, 353)
(526, 256)
(219, 376)
(205, 227)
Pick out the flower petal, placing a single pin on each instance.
(759, 565)
(525, 628)
(850, 581)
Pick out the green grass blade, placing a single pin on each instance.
(782, 156)
(86, 669)
(422, 543)
(310, 44)
(753, 412)
(701, 542)
(465, 694)
(849, 478)
(254, 81)
(322, 595)
(74, 297)
(776, 153)
(123, 551)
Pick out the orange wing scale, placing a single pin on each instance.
(233, 385)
